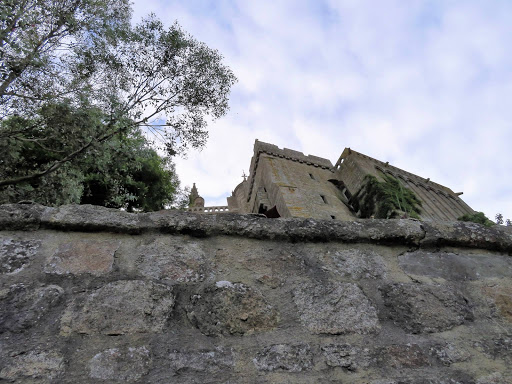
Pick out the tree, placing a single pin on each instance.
(129, 174)
(123, 172)
(41, 42)
(83, 55)
(500, 221)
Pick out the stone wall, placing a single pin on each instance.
(92, 295)
(439, 203)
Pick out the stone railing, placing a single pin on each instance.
(219, 209)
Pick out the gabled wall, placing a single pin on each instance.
(439, 203)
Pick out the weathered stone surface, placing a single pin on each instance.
(496, 347)
(121, 307)
(21, 216)
(401, 356)
(420, 308)
(448, 354)
(456, 267)
(24, 306)
(346, 356)
(210, 361)
(313, 318)
(15, 255)
(121, 365)
(406, 232)
(429, 378)
(291, 358)
(358, 264)
(45, 365)
(88, 218)
(466, 234)
(231, 308)
(182, 262)
(94, 257)
(495, 378)
(336, 308)
(294, 229)
(502, 297)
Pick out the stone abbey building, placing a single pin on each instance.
(287, 183)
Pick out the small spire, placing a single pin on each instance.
(193, 193)
(244, 175)
(194, 199)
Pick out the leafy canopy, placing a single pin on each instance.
(75, 75)
(124, 172)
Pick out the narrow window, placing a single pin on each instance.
(323, 199)
(333, 217)
(265, 189)
(312, 177)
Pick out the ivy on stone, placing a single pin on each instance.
(385, 199)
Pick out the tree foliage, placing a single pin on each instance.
(42, 43)
(500, 220)
(123, 172)
(75, 75)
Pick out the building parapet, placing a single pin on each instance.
(285, 153)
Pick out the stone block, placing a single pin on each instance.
(16, 255)
(495, 378)
(448, 353)
(209, 361)
(285, 357)
(456, 267)
(502, 297)
(91, 256)
(45, 366)
(118, 308)
(357, 264)
(496, 347)
(401, 356)
(120, 364)
(346, 356)
(335, 308)
(230, 308)
(422, 308)
(175, 262)
(24, 306)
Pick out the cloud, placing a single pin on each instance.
(423, 84)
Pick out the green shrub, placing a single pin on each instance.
(386, 199)
(477, 217)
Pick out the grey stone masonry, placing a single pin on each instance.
(96, 295)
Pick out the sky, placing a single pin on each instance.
(425, 85)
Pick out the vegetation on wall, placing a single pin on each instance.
(477, 217)
(385, 199)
